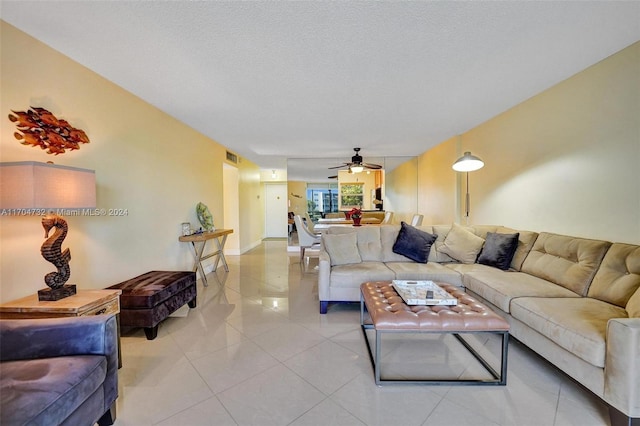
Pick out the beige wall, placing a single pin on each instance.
(564, 161)
(146, 162)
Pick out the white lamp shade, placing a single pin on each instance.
(29, 185)
(468, 163)
(357, 169)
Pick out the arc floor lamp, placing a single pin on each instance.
(467, 163)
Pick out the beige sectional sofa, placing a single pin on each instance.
(575, 301)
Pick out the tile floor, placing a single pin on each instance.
(256, 351)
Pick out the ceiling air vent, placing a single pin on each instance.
(232, 157)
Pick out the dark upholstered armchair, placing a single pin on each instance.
(58, 371)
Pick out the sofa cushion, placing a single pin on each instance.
(501, 287)
(342, 248)
(351, 276)
(498, 250)
(526, 240)
(413, 243)
(425, 271)
(618, 276)
(462, 244)
(576, 324)
(369, 244)
(633, 305)
(388, 237)
(567, 261)
(48, 390)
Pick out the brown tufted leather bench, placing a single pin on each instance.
(148, 299)
(387, 313)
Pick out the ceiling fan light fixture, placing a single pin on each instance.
(357, 169)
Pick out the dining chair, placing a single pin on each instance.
(388, 216)
(417, 220)
(310, 224)
(306, 239)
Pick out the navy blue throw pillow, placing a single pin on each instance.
(498, 250)
(413, 243)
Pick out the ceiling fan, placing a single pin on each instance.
(356, 165)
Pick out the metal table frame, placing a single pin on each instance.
(219, 236)
(499, 379)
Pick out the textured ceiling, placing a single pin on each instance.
(277, 80)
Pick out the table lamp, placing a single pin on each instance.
(31, 188)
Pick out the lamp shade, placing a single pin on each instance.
(357, 169)
(30, 184)
(468, 163)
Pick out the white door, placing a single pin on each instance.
(275, 210)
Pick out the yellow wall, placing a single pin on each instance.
(438, 184)
(298, 205)
(564, 161)
(401, 191)
(146, 162)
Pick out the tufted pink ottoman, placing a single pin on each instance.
(387, 313)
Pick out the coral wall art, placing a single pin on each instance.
(39, 127)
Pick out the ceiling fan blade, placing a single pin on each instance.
(372, 166)
(339, 167)
(332, 177)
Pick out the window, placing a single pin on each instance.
(351, 195)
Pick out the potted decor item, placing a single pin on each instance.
(356, 216)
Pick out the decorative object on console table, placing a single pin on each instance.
(30, 188)
(205, 217)
(467, 163)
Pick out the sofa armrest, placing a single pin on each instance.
(43, 338)
(622, 366)
(324, 275)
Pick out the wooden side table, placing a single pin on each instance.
(83, 303)
(219, 236)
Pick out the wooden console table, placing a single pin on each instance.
(219, 236)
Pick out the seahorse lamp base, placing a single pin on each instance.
(53, 294)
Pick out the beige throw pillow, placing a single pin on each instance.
(342, 248)
(462, 245)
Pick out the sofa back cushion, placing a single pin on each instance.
(342, 248)
(388, 237)
(633, 305)
(526, 239)
(462, 244)
(368, 240)
(618, 277)
(441, 231)
(567, 261)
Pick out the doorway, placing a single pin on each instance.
(275, 210)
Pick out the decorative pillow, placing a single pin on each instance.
(413, 243)
(342, 248)
(498, 250)
(462, 245)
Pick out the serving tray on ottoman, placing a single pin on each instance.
(148, 299)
